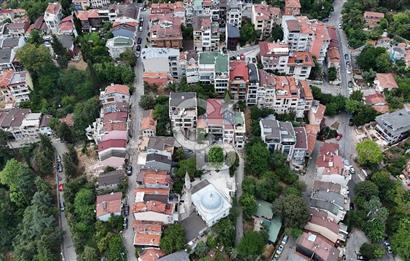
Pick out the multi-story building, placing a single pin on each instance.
(292, 7)
(300, 64)
(205, 33)
(108, 205)
(297, 32)
(223, 123)
(253, 85)
(321, 42)
(91, 20)
(183, 109)
(213, 68)
(393, 126)
(238, 79)
(162, 61)
(330, 166)
(300, 150)
(118, 45)
(264, 18)
(81, 4)
(24, 125)
(99, 3)
(15, 87)
(313, 245)
(168, 9)
(278, 136)
(165, 31)
(115, 93)
(274, 56)
(148, 124)
(53, 16)
(234, 14)
(17, 27)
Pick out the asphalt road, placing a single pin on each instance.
(239, 179)
(135, 116)
(68, 250)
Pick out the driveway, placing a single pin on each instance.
(355, 240)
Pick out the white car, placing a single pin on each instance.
(280, 250)
(285, 240)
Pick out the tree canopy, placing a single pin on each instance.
(369, 153)
(293, 210)
(216, 154)
(251, 245)
(173, 238)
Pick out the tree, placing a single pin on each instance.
(376, 216)
(372, 251)
(257, 158)
(128, 57)
(251, 245)
(8, 221)
(277, 33)
(401, 239)
(356, 95)
(61, 52)
(116, 250)
(247, 33)
(369, 153)
(44, 156)
(35, 37)
(364, 191)
(89, 254)
(84, 114)
(36, 59)
(65, 133)
(216, 154)
(20, 181)
(332, 74)
(201, 249)
(375, 58)
(70, 166)
(173, 238)
(248, 203)
(147, 102)
(225, 232)
(293, 210)
(108, 72)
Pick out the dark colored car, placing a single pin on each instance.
(138, 48)
(126, 210)
(129, 170)
(59, 167)
(125, 225)
(139, 40)
(346, 56)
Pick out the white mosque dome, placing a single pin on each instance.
(211, 201)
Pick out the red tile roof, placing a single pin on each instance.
(214, 109)
(117, 88)
(111, 144)
(301, 59)
(238, 69)
(151, 254)
(370, 14)
(292, 4)
(6, 77)
(268, 48)
(152, 191)
(53, 8)
(318, 244)
(108, 204)
(148, 121)
(152, 205)
(386, 80)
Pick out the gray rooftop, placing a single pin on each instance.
(200, 186)
(233, 31)
(66, 40)
(13, 117)
(398, 121)
(110, 178)
(161, 142)
(325, 205)
(182, 99)
(193, 226)
(10, 42)
(177, 256)
(278, 129)
(329, 196)
(158, 158)
(321, 185)
(253, 73)
(5, 55)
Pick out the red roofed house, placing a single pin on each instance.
(372, 19)
(264, 18)
(310, 244)
(18, 27)
(148, 124)
(330, 166)
(52, 16)
(320, 42)
(115, 93)
(92, 19)
(147, 234)
(377, 101)
(238, 80)
(166, 32)
(316, 114)
(300, 64)
(108, 205)
(154, 211)
(151, 254)
(322, 224)
(66, 26)
(385, 81)
(292, 7)
(15, 87)
(311, 131)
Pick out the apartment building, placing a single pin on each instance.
(321, 42)
(292, 7)
(165, 9)
(238, 79)
(53, 16)
(165, 32)
(92, 20)
(314, 246)
(183, 109)
(152, 205)
(322, 224)
(115, 93)
(8, 50)
(234, 13)
(24, 125)
(264, 18)
(108, 205)
(278, 136)
(99, 3)
(17, 27)
(81, 4)
(205, 33)
(393, 126)
(300, 150)
(213, 68)
(274, 56)
(223, 123)
(161, 62)
(15, 87)
(300, 65)
(253, 85)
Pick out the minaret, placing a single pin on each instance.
(188, 196)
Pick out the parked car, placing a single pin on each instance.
(388, 246)
(58, 158)
(138, 48)
(62, 206)
(360, 257)
(140, 28)
(59, 167)
(346, 56)
(280, 249)
(352, 171)
(285, 240)
(125, 225)
(129, 170)
(126, 210)
(139, 40)
(339, 26)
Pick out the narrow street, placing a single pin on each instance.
(239, 178)
(134, 124)
(68, 250)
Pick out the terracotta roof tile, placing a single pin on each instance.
(53, 8)
(108, 204)
(112, 144)
(386, 80)
(238, 69)
(148, 121)
(151, 254)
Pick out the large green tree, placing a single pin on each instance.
(293, 210)
(173, 238)
(251, 245)
(369, 153)
(248, 203)
(216, 154)
(257, 158)
(401, 239)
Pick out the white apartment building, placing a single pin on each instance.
(205, 33)
(213, 68)
(183, 110)
(299, 65)
(162, 60)
(53, 16)
(99, 3)
(274, 56)
(234, 14)
(264, 18)
(278, 136)
(297, 32)
(115, 93)
(15, 87)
